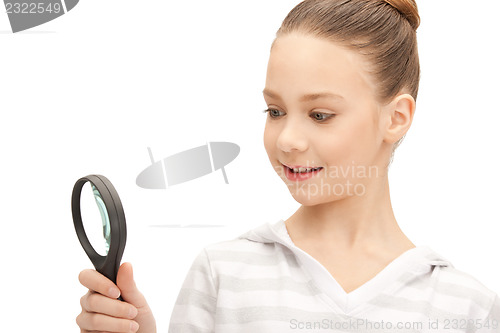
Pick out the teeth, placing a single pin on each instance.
(303, 169)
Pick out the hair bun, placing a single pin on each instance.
(408, 8)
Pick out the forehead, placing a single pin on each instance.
(301, 63)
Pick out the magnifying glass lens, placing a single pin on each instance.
(93, 210)
(106, 227)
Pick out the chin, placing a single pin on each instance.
(307, 199)
(311, 196)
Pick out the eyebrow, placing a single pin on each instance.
(305, 98)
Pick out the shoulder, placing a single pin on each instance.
(467, 284)
(464, 290)
(241, 245)
(242, 261)
(247, 252)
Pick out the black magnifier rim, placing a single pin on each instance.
(107, 265)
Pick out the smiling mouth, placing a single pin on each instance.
(301, 169)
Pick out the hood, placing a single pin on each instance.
(418, 261)
(275, 232)
(265, 233)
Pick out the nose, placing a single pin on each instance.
(291, 137)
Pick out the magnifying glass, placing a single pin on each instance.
(94, 198)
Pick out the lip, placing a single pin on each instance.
(290, 175)
(299, 166)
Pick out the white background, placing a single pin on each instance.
(90, 91)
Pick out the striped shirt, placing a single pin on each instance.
(261, 282)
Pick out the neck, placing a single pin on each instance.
(354, 222)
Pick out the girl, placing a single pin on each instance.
(341, 86)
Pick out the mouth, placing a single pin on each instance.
(297, 169)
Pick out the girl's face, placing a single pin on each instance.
(322, 112)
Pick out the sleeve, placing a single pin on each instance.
(194, 309)
(492, 322)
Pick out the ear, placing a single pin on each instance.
(399, 116)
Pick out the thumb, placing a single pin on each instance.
(126, 284)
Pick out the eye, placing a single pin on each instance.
(318, 116)
(321, 117)
(273, 113)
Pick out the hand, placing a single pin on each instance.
(102, 311)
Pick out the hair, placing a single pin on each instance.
(384, 31)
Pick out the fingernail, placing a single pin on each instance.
(132, 312)
(114, 292)
(134, 326)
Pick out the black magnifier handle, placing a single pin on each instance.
(114, 224)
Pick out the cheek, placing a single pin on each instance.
(269, 139)
(347, 143)
(335, 151)
(364, 142)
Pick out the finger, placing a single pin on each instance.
(95, 281)
(102, 323)
(126, 283)
(94, 302)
